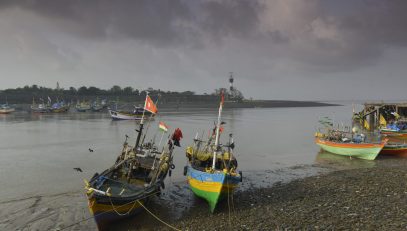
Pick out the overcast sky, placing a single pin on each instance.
(278, 49)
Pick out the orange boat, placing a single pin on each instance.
(396, 149)
(396, 134)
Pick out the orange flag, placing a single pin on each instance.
(150, 106)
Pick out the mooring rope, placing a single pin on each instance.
(156, 217)
(90, 217)
(122, 214)
(229, 219)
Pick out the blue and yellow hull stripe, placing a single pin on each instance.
(212, 186)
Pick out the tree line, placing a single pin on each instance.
(27, 93)
(115, 90)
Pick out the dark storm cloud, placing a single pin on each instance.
(188, 39)
(381, 22)
(323, 34)
(230, 18)
(159, 22)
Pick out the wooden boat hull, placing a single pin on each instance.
(398, 135)
(107, 209)
(395, 150)
(97, 109)
(117, 115)
(39, 110)
(212, 186)
(365, 151)
(82, 109)
(105, 212)
(6, 111)
(59, 110)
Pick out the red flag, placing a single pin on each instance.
(150, 106)
(222, 97)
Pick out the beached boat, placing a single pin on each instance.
(362, 150)
(136, 176)
(394, 133)
(83, 106)
(348, 141)
(395, 149)
(212, 168)
(6, 109)
(136, 114)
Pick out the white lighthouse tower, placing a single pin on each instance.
(231, 82)
(233, 93)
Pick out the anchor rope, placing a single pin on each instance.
(122, 214)
(156, 217)
(90, 217)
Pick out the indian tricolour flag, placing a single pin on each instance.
(163, 127)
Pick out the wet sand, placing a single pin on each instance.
(68, 211)
(358, 199)
(311, 197)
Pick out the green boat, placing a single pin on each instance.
(367, 151)
(212, 168)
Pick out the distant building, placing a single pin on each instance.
(231, 94)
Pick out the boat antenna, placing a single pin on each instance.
(141, 124)
(222, 99)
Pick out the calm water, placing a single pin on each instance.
(41, 191)
(38, 152)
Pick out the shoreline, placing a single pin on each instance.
(311, 197)
(181, 106)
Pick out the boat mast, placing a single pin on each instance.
(217, 131)
(141, 124)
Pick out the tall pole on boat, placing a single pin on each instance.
(353, 123)
(141, 123)
(217, 130)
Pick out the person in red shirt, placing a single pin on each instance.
(177, 136)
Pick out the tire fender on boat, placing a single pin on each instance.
(185, 170)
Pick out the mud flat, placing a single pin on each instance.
(357, 199)
(305, 197)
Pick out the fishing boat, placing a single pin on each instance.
(6, 109)
(212, 168)
(395, 149)
(40, 108)
(59, 107)
(136, 114)
(83, 106)
(348, 141)
(394, 133)
(137, 175)
(367, 151)
(96, 106)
